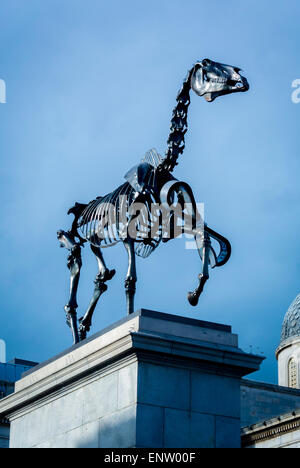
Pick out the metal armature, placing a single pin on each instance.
(143, 212)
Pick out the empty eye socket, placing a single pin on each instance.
(206, 62)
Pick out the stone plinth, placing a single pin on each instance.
(150, 380)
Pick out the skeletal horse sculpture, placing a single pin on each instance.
(127, 213)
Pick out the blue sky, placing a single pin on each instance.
(90, 88)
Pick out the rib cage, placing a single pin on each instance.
(104, 222)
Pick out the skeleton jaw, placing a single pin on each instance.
(230, 87)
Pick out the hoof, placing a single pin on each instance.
(83, 330)
(193, 299)
(107, 276)
(82, 334)
(111, 274)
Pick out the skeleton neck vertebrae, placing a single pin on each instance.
(179, 125)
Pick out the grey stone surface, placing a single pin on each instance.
(150, 426)
(217, 391)
(163, 386)
(119, 429)
(228, 432)
(35, 427)
(261, 402)
(127, 385)
(70, 404)
(100, 397)
(86, 436)
(183, 429)
(139, 384)
(187, 330)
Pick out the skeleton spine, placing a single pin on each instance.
(179, 126)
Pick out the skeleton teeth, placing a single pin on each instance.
(218, 80)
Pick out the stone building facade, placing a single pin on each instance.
(10, 372)
(271, 416)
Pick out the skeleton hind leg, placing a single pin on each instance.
(131, 277)
(74, 264)
(103, 276)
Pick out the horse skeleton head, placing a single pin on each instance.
(212, 79)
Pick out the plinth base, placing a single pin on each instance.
(151, 380)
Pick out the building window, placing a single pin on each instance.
(293, 377)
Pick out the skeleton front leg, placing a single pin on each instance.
(193, 297)
(74, 264)
(193, 224)
(100, 287)
(131, 277)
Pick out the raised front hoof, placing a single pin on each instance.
(193, 299)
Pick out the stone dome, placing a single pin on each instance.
(291, 323)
